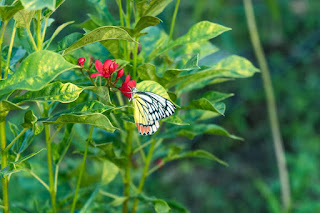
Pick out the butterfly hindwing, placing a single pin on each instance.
(149, 108)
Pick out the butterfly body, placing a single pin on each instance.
(149, 108)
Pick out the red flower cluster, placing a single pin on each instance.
(127, 86)
(106, 69)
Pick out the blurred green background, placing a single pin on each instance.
(290, 34)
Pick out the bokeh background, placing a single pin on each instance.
(290, 35)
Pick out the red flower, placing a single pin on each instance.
(127, 86)
(105, 69)
(120, 73)
(81, 61)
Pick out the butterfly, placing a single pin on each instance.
(149, 108)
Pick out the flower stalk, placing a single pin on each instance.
(174, 19)
(10, 51)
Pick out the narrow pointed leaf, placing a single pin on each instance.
(156, 7)
(146, 21)
(6, 106)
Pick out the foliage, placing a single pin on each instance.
(81, 112)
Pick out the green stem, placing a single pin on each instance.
(15, 139)
(135, 52)
(127, 44)
(82, 168)
(49, 157)
(3, 29)
(40, 180)
(173, 19)
(31, 38)
(144, 174)
(127, 178)
(4, 162)
(39, 39)
(44, 29)
(120, 13)
(10, 51)
(272, 110)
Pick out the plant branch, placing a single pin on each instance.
(10, 51)
(31, 38)
(4, 162)
(144, 174)
(127, 177)
(49, 157)
(15, 139)
(39, 39)
(39, 179)
(3, 29)
(173, 19)
(82, 168)
(271, 102)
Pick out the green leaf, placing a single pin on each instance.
(146, 21)
(68, 40)
(214, 96)
(8, 11)
(100, 34)
(198, 129)
(109, 172)
(28, 156)
(38, 4)
(23, 18)
(89, 202)
(118, 201)
(204, 104)
(95, 119)
(36, 71)
(56, 32)
(156, 7)
(23, 142)
(113, 46)
(161, 206)
(91, 106)
(148, 72)
(230, 67)
(48, 12)
(197, 154)
(175, 119)
(102, 93)
(201, 31)
(6, 106)
(60, 150)
(152, 86)
(30, 121)
(57, 91)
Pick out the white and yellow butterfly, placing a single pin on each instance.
(149, 108)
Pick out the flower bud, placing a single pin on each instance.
(81, 61)
(120, 73)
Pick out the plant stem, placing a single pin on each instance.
(31, 38)
(82, 168)
(4, 162)
(128, 17)
(15, 139)
(173, 19)
(49, 157)
(10, 51)
(44, 29)
(3, 29)
(144, 174)
(120, 13)
(39, 39)
(272, 110)
(135, 52)
(40, 180)
(127, 170)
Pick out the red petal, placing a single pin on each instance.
(98, 66)
(106, 64)
(113, 67)
(120, 73)
(132, 84)
(93, 75)
(127, 79)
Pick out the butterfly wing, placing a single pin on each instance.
(149, 108)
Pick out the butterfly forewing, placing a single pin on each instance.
(149, 108)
